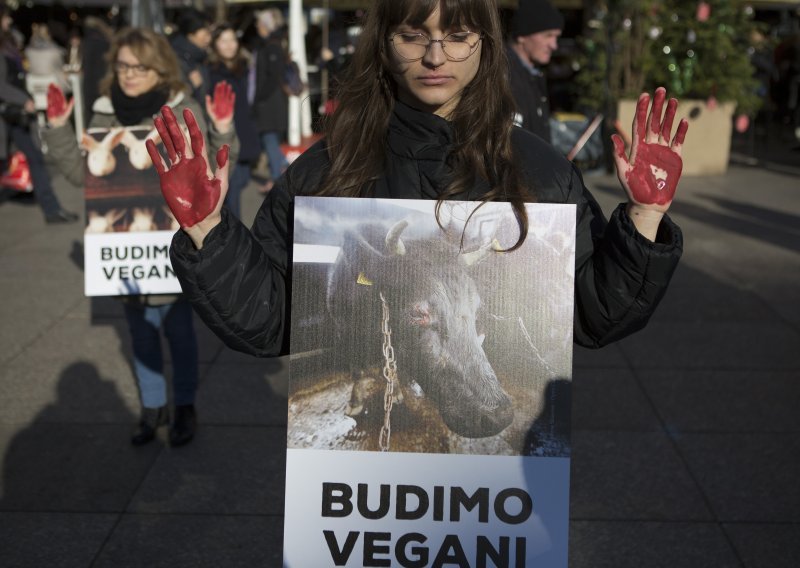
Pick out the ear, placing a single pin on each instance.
(116, 136)
(88, 142)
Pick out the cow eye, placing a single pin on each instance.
(420, 316)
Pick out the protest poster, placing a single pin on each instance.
(128, 225)
(429, 398)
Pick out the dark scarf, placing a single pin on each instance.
(131, 111)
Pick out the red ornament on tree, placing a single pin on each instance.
(703, 11)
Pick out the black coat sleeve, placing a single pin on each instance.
(239, 282)
(620, 276)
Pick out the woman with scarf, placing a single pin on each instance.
(144, 77)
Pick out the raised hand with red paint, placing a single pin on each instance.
(650, 176)
(220, 108)
(193, 193)
(58, 108)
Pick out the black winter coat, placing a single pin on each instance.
(239, 282)
(192, 58)
(271, 106)
(530, 96)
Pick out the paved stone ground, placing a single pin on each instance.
(686, 450)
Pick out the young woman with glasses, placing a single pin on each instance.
(144, 77)
(426, 113)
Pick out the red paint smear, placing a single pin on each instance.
(680, 135)
(658, 106)
(190, 195)
(222, 104)
(669, 118)
(195, 135)
(645, 186)
(187, 189)
(222, 156)
(641, 116)
(56, 102)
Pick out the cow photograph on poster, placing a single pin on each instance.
(408, 336)
(128, 225)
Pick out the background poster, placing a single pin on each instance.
(429, 400)
(128, 226)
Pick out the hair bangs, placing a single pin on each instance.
(454, 14)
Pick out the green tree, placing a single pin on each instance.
(635, 45)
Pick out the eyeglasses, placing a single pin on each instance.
(458, 46)
(122, 68)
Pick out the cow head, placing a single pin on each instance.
(433, 305)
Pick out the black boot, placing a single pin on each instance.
(151, 419)
(184, 425)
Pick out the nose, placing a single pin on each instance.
(434, 56)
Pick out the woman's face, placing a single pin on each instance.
(134, 78)
(227, 45)
(433, 83)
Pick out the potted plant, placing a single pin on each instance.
(699, 50)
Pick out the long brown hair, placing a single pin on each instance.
(153, 51)
(482, 121)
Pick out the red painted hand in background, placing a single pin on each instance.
(220, 108)
(58, 109)
(192, 192)
(651, 175)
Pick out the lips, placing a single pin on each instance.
(434, 80)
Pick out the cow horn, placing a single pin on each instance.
(470, 258)
(394, 245)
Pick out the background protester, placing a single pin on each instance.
(191, 46)
(270, 104)
(97, 34)
(144, 77)
(45, 57)
(17, 117)
(535, 30)
(230, 62)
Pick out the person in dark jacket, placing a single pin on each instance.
(535, 30)
(18, 114)
(230, 62)
(435, 122)
(271, 105)
(191, 46)
(97, 34)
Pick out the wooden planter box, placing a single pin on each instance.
(708, 142)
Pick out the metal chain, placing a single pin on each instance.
(390, 374)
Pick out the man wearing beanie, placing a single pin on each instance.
(534, 34)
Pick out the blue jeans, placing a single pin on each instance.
(145, 322)
(42, 187)
(236, 184)
(271, 143)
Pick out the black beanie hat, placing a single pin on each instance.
(535, 16)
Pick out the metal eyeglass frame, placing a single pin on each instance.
(431, 41)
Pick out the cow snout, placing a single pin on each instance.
(473, 421)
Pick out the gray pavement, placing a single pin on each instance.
(686, 446)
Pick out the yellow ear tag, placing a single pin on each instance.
(363, 280)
